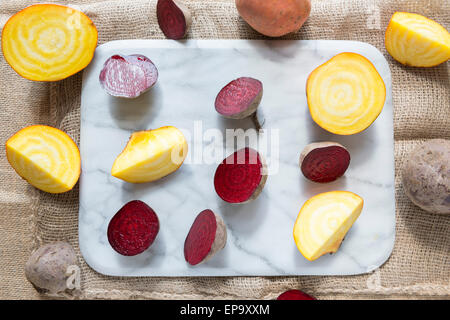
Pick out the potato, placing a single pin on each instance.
(47, 266)
(274, 18)
(426, 176)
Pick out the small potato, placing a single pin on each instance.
(47, 266)
(426, 176)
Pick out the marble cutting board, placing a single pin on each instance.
(260, 240)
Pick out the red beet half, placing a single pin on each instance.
(174, 18)
(133, 228)
(128, 76)
(207, 236)
(295, 295)
(324, 161)
(241, 176)
(240, 98)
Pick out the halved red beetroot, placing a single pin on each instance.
(295, 295)
(240, 98)
(133, 228)
(128, 76)
(207, 236)
(241, 176)
(174, 18)
(324, 161)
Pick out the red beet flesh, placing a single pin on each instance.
(239, 98)
(295, 295)
(128, 76)
(200, 238)
(325, 164)
(239, 178)
(133, 228)
(173, 19)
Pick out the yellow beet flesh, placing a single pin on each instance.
(48, 42)
(151, 155)
(46, 157)
(323, 222)
(416, 41)
(346, 94)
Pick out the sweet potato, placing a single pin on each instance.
(274, 18)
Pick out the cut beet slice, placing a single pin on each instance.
(133, 228)
(241, 176)
(295, 295)
(324, 161)
(128, 76)
(207, 236)
(240, 98)
(174, 18)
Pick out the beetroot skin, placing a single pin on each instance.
(241, 176)
(207, 236)
(133, 228)
(295, 295)
(174, 18)
(128, 76)
(240, 98)
(324, 161)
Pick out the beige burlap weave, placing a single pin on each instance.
(420, 263)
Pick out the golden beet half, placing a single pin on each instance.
(416, 41)
(48, 42)
(345, 94)
(323, 222)
(46, 157)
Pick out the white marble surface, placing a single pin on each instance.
(260, 240)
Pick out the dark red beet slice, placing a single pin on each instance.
(207, 236)
(133, 228)
(241, 176)
(174, 18)
(324, 161)
(240, 98)
(128, 76)
(295, 295)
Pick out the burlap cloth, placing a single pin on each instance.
(420, 263)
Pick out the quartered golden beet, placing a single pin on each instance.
(345, 94)
(48, 42)
(151, 155)
(323, 222)
(46, 157)
(416, 41)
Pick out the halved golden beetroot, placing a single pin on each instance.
(416, 41)
(345, 94)
(46, 157)
(323, 222)
(48, 42)
(151, 155)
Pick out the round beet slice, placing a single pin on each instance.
(241, 176)
(324, 161)
(174, 18)
(133, 228)
(295, 295)
(128, 76)
(240, 98)
(207, 236)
